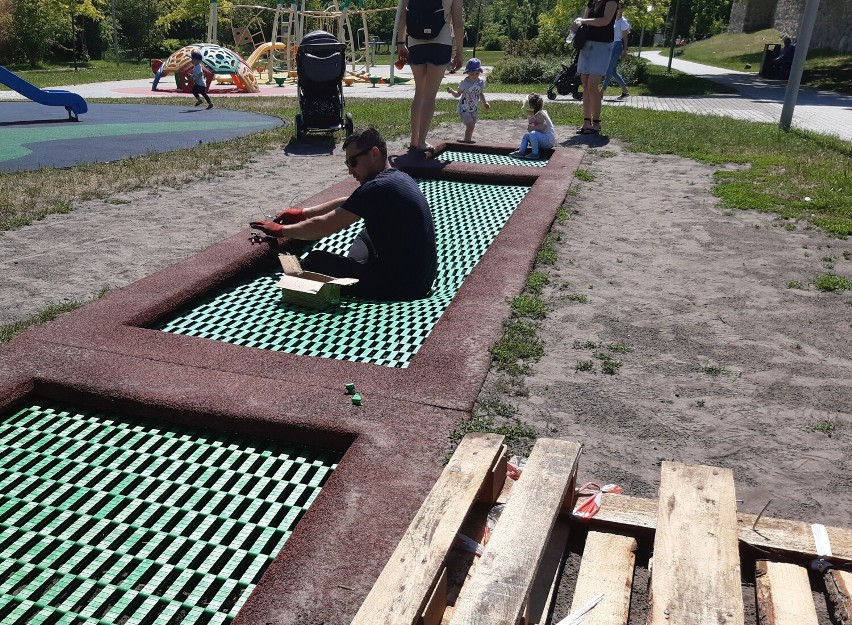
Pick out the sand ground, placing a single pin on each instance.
(721, 362)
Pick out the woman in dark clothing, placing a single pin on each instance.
(598, 21)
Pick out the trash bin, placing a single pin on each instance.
(767, 65)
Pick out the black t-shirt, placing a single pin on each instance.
(605, 34)
(399, 223)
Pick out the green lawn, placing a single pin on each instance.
(824, 69)
(95, 71)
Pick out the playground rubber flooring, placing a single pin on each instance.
(36, 136)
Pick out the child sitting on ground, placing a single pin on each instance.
(540, 131)
(470, 92)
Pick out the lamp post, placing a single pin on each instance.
(649, 9)
(672, 42)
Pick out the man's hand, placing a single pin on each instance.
(268, 227)
(290, 216)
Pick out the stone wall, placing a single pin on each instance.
(833, 28)
(751, 15)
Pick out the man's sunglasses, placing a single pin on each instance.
(352, 161)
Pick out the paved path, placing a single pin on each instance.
(756, 99)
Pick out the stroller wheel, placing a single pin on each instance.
(348, 124)
(550, 94)
(300, 127)
(578, 95)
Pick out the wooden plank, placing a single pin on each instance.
(547, 579)
(606, 567)
(434, 610)
(500, 587)
(404, 585)
(792, 538)
(839, 587)
(696, 574)
(783, 594)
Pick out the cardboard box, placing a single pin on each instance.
(306, 288)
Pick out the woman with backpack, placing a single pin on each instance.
(426, 32)
(598, 25)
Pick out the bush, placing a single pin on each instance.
(166, 48)
(520, 70)
(632, 70)
(492, 37)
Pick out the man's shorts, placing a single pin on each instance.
(430, 53)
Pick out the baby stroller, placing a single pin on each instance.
(320, 65)
(568, 81)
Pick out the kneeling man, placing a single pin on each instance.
(394, 257)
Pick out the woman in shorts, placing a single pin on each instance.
(428, 59)
(598, 21)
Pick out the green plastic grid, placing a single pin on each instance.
(481, 158)
(106, 520)
(249, 311)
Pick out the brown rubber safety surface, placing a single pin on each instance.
(103, 356)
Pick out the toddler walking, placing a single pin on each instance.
(199, 86)
(470, 92)
(540, 131)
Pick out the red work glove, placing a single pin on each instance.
(290, 216)
(268, 227)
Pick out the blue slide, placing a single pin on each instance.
(73, 103)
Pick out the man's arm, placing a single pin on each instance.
(334, 219)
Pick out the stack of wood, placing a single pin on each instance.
(697, 536)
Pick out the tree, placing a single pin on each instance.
(36, 26)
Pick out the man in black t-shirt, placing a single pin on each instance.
(394, 257)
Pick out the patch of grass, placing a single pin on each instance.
(699, 403)
(519, 345)
(578, 344)
(531, 306)
(847, 255)
(11, 330)
(547, 252)
(576, 297)
(620, 348)
(536, 281)
(830, 282)
(93, 71)
(610, 366)
(714, 370)
(562, 215)
(494, 406)
(826, 426)
(518, 436)
(584, 175)
(585, 365)
(795, 284)
(789, 227)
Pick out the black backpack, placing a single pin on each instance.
(425, 18)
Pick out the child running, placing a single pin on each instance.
(540, 131)
(470, 92)
(199, 86)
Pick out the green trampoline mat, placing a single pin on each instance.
(107, 520)
(481, 158)
(249, 311)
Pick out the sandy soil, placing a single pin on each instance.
(727, 365)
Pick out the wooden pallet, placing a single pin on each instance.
(695, 576)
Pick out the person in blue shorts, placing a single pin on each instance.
(428, 58)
